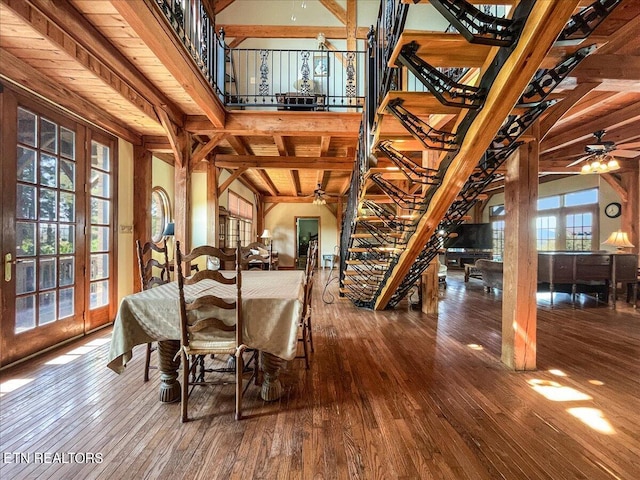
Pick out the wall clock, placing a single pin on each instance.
(613, 210)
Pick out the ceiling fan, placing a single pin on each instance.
(601, 155)
(320, 196)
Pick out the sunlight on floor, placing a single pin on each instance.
(557, 373)
(475, 346)
(77, 352)
(596, 382)
(556, 392)
(593, 418)
(13, 384)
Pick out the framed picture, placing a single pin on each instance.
(320, 65)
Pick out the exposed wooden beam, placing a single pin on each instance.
(220, 5)
(269, 208)
(621, 40)
(625, 115)
(309, 124)
(24, 76)
(290, 199)
(286, 163)
(345, 186)
(540, 30)
(615, 67)
(147, 21)
(294, 181)
(172, 136)
(616, 185)
(559, 110)
(288, 31)
(621, 134)
(230, 180)
(271, 188)
(337, 11)
(325, 142)
(249, 185)
(237, 144)
(236, 42)
(203, 150)
(281, 145)
(64, 23)
(352, 25)
(156, 144)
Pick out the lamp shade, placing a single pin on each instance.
(266, 234)
(619, 239)
(169, 230)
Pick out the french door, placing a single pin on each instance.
(57, 236)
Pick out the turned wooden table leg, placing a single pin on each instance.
(271, 386)
(169, 384)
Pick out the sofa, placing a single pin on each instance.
(490, 273)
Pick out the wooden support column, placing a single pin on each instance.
(142, 167)
(630, 218)
(429, 286)
(182, 194)
(520, 270)
(260, 224)
(213, 203)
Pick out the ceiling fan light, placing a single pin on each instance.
(613, 164)
(595, 165)
(586, 168)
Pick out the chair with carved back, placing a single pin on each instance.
(306, 337)
(153, 272)
(210, 324)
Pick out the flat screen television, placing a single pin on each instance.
(477, 236)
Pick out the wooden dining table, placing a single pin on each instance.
(271, 307)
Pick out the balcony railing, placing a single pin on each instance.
(291, 79)
(191, 22)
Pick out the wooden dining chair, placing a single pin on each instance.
(153, 272)
(306, 336)
(210, 324)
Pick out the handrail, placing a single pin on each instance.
(290, 79)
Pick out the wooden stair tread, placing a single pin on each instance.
(418, 103)
(442, 49)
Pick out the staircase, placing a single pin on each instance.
(400, 210)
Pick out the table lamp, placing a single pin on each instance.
(266, 236)
(620, 240)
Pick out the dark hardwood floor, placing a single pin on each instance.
(390, 395)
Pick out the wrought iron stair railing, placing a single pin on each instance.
(380, 230)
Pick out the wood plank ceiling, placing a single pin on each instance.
(89, 57)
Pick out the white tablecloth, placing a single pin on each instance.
(271, 303)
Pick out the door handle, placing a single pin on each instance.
(7, 267)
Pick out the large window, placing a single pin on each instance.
(566, 222)
(160, 213)
(240, 221)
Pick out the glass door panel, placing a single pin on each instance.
(41, 259)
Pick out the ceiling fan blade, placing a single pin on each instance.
(629, 145)
(581, 159)
(625, 153)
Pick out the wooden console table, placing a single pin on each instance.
(296, 101)
(589, 270)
